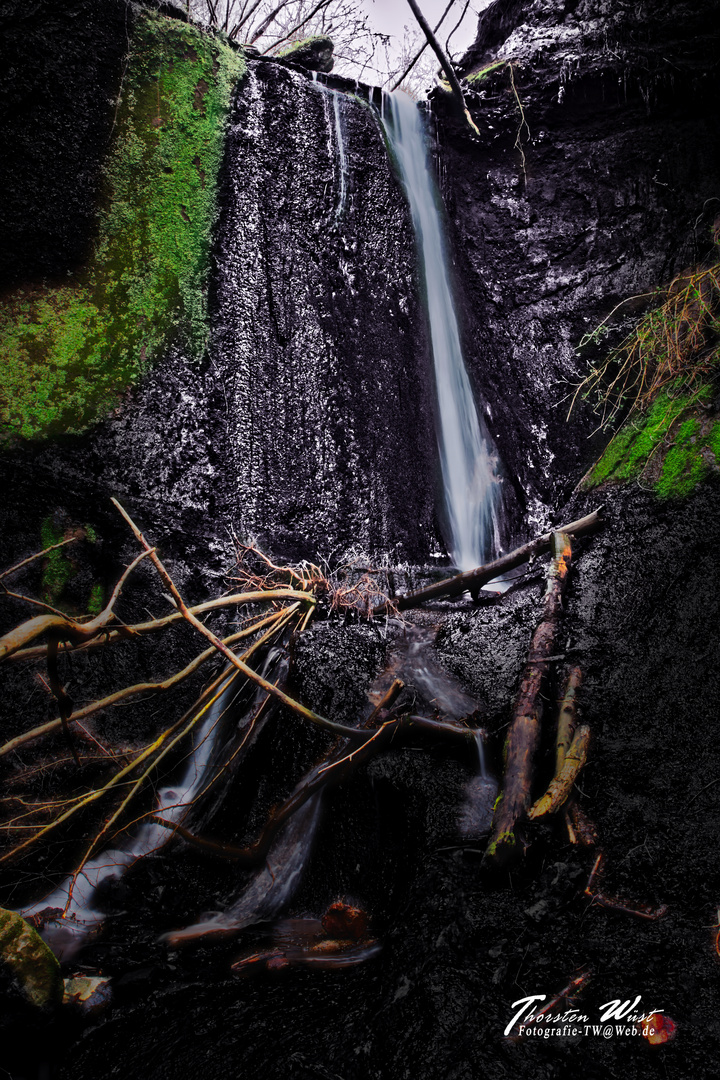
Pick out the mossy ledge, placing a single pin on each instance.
(671, 447)
(69, 351)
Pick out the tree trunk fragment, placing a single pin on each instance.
(559, 789)
(524, 734)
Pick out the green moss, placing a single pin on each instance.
(57, 568)
(478, 76)
(95, 603)
(667, 445)
(32, 964)
(684, 465)
(713, 440)
(67, 354)
(305, 45)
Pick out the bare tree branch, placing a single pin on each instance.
(270, 688)
(140, 688)
(422, 49)
(63, 626)
(444, 63)
(298, 26)
(38, 555)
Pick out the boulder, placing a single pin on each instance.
(33, 966)
(314, 53)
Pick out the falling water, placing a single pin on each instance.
(479, 794)
(341, 154)
(336, 141)
(77, 897)
(467, 456)
(271, 888)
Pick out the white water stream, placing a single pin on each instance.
(467, 455)
(67, 934)
(336, 139)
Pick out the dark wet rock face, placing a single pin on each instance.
(61, 73)
(319, 339)
(308, 425)
(616, 194)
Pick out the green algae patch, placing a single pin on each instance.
(33, 966)
(671, 447)
(68, 353)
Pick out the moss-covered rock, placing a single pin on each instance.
(68, 352)
(314, 53)
(33, 966)
(671, 447)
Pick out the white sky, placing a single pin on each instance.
(390, 16)
(393, 16)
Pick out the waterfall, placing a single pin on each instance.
(468, 457)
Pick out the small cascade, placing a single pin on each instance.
(479, 794)
(77, 897)
(271, 888)
(468, 458)
(412, 660)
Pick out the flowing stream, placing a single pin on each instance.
(77, 897)
(467, 455)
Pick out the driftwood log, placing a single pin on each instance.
(472, 580)
(524, 733)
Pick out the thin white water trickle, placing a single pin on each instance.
(336, 141)
(467, 455)
(480, 744)
(76, 897)
(341, 154)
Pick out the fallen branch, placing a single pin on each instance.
(139, 688)
(270, 688)
(642, 911)
(559, 789)
(567, 717)
(37, 555)
(579, 827)
(472, 580)
(524, 733)
(584, 830)
(333, 770)
(109, 637)
(316, 779)
(65, 704)
(63, 627)
(420, 51)
(82, 802)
